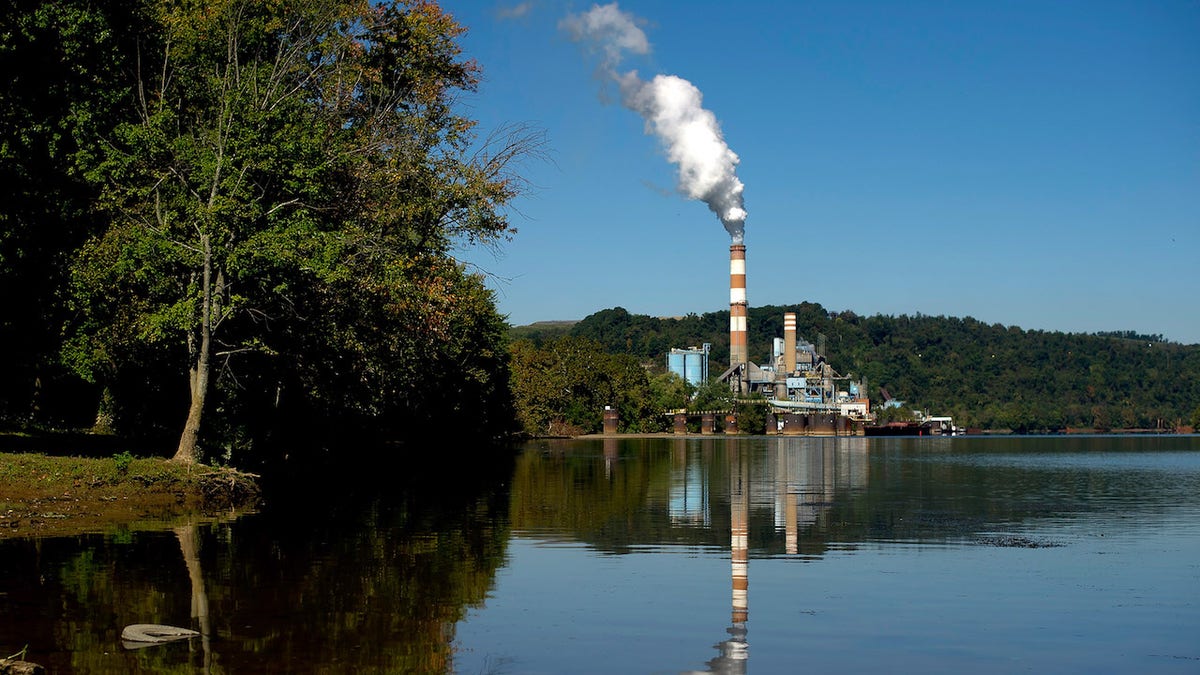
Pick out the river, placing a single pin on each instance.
(661, 555)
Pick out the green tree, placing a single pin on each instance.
(669, 391)
(894, 414)
(292, 189)
(712, 395)
(562, 386)
(553, 387)
(752, 414)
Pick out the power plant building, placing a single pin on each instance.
(797, 379)
(803, 392)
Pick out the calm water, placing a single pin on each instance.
(765, 555)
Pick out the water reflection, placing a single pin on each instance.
(791, 481)
(735, 651)
(574, 547)
(799, 499)
(189, 545)
(797, 485)
(315, 582)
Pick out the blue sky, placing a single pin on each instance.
(1025, 163)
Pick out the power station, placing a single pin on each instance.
(803, 392)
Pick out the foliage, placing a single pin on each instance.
(712, 395)
(1131, 335)
(751, 414)
(283, 211)
(893, 413)
(669, 391)
(563, 386)
(122, 460)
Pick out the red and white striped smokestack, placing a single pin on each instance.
(789, 342)
(739, 351)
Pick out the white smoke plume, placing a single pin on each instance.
(673, 111)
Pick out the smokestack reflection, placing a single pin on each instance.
(797, 480)
(735, 652)
(739, 533)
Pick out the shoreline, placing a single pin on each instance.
(45, 496)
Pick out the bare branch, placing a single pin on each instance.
(283, 204)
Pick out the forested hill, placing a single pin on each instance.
(985, 375)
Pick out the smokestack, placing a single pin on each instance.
(738, 348)
(789, 342)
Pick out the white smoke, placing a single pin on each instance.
(673, 111)
(608, 29)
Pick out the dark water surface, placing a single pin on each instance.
(767, 555)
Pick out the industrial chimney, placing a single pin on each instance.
(789, 342)
(739, 352)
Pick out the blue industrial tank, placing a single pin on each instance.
(693, 364)
(675, 363)
(690, 364)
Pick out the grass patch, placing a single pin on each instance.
(30, 470)
(37, 491)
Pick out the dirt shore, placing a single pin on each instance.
(43, 496)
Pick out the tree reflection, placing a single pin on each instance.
(189, 544)
(374, 582)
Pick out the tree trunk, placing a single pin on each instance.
(188, 452)
(104, 413)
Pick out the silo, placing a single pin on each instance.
(690, 364)
(676, 363)
(693, 365)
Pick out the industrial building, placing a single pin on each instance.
(805, 394)
(798, 378)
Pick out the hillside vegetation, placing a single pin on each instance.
(985, 375)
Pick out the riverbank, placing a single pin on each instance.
(42, 495)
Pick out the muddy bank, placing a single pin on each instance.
(60, 496)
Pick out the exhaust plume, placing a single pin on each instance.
(673, 111)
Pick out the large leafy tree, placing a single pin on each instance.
(287, 201)
(563, 385)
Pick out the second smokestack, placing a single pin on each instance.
(789, 342)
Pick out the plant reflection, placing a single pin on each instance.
(801, 488)
(735, 651)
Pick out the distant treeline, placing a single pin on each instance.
(985, 375)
